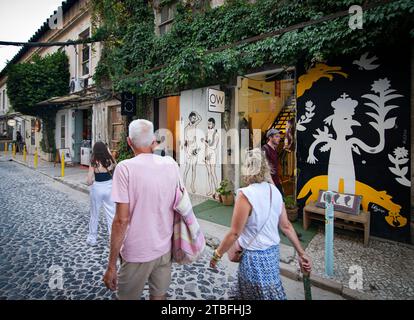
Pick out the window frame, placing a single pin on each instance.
(3, 97)
(33, 132)
(117, 109)
(63, 126)
(164, 26)
(84, 64)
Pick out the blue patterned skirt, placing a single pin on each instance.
(258, 277)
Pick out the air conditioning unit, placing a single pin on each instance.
(78, 85)
(86, 156)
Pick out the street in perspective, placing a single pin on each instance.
(44, 254)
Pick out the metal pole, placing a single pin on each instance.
(329, 227)
(307, 285)
(62, 165)
(35, 158)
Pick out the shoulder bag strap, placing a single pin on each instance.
(268, 216)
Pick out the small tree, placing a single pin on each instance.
(32, 82)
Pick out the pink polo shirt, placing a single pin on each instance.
(148, 183)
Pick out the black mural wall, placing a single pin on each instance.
(353, 135)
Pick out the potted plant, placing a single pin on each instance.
(225, 192)
(291, 208)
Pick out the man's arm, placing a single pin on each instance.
(119, 227)
(198, 118)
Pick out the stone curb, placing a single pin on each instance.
(403, 244)
(289, 271)
(72, 185)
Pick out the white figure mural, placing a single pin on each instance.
(401, 157)
(341, 164)
(211, 153)
(309, 107)
(200, 148)
(192, 148)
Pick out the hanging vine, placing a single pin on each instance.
(132, 47)
(32, 82)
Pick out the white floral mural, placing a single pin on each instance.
(400, 158)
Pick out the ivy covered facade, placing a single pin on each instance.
(274, 62)
(214, 76)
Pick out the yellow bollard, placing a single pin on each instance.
(62, 165)
(13, 150)
(35, 158)
(5, 147)
(24, 153)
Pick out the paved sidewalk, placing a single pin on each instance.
(386, 267)
(74, 175)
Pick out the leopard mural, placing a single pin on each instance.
(371, 196)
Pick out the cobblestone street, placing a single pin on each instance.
(42, 225)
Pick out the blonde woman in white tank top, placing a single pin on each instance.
(258, 214)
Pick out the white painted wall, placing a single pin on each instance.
(100, 123)
(76, 20)
(4, 102)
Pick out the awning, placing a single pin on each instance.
(10, 115)
(68, 100)
(86, 96)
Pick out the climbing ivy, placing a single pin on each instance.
(40, 79)
(124, 151)
(132, 47)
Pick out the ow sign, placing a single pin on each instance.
(215, 100)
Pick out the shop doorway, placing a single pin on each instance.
(167, 116)
(83, 134)
(268, 100)
(33, 132)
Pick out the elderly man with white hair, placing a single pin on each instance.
(144, 191)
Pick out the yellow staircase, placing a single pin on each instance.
(287, 113)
